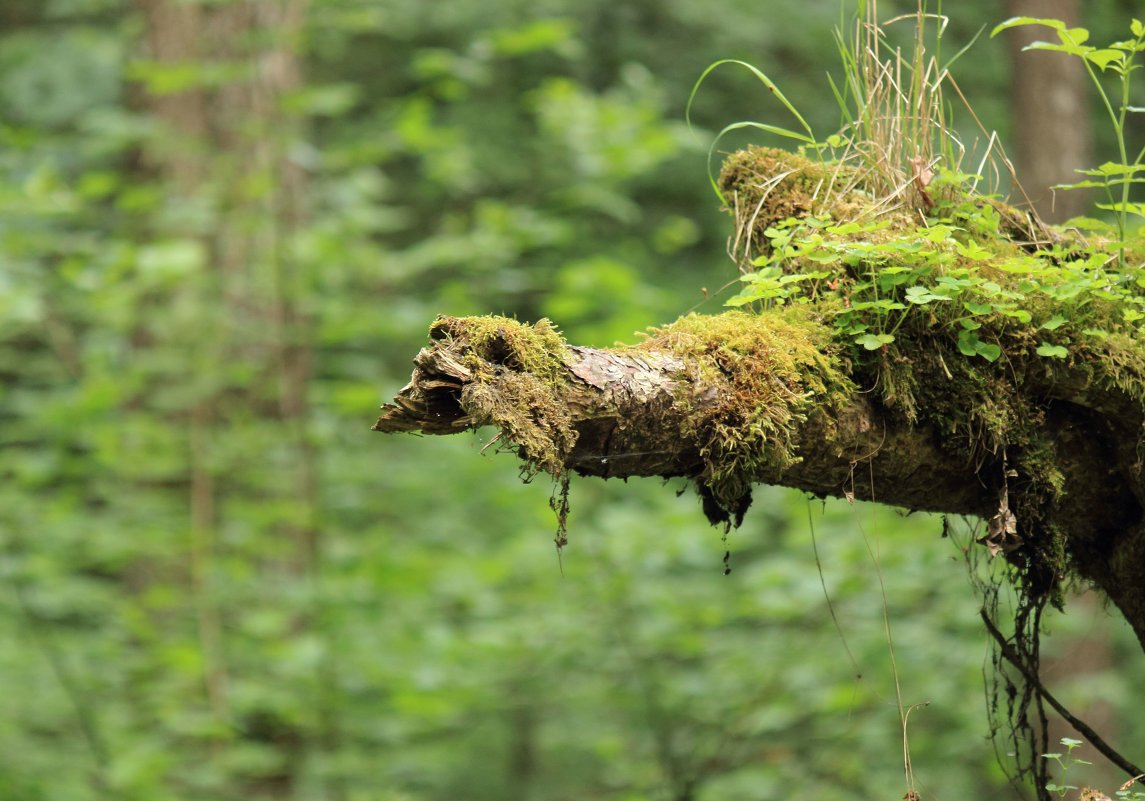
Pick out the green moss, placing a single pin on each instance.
(762, 186)
(518, 370)
(759, 375)
(537, 349)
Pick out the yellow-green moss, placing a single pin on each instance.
(764, 374)
(518, 369)
(538, 349)
(762, 186)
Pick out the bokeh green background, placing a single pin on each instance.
(402, 628)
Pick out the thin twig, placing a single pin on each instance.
(1080, 726)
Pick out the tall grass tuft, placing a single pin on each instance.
(895, 122)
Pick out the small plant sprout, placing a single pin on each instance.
(1065, 762)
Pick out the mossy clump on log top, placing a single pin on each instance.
(762, 186)
(965, 316)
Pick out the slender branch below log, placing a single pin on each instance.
(1105, 749)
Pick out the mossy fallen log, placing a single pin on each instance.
(738, 399)
(727, 401)
(971, 361)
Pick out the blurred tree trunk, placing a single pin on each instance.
(1052, 127)
(174, 35)
(224, 155)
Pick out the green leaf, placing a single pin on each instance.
(989, 352)
(1055, 322)
(970, 345)
(938, 233)
(968, 342)
(1021, 315)
(882, 304)
(1081, 185)
(1067, 47)
(1053, 351)
(972, 250)
(1074, 36)
(921, 295)
(1104, 58)
(1110, 168)
(874, 341)
(766, 128)
(798, 278)
(1016, 22)
(1132, 208)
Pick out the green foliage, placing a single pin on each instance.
(957, 275)
(459, 157)
(1114, 178)
(1065, 763)
(1068, 763)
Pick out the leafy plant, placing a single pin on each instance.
(1118, 58)
(896, 148)
(1065, 761)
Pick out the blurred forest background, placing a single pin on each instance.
(224, 229)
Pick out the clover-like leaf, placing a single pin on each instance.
(874, 341)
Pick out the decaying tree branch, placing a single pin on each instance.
(672, 406)
(648, 411)
(1046, 449)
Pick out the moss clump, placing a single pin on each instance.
(762, 186)
(754, 378)
(517, 372)
(538, 349)
(771, 184)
